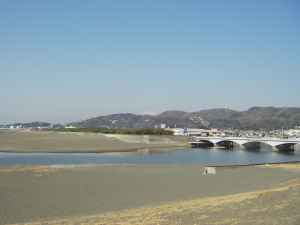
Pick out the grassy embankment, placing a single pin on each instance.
(133, 131)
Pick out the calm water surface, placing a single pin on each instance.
(184, 156)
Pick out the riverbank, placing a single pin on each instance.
(68, 142)
(148, 194)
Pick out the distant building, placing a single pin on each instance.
(178, 131)
(69, 127)
(196, 132)
(163, 126)
(292, 132)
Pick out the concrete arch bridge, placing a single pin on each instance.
(248, 143)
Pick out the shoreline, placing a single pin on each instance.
(72, 151)
(22, 167)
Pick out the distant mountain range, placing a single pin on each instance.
(253, 118)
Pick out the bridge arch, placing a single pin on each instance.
(256, 144)
(203, 143)
(285, 147)
(247, 143)
(250, 145)
(227, 143)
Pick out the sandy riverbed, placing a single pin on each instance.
(33, 141)
(148, 195)
(137, 195)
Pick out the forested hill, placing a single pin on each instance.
(253, 118)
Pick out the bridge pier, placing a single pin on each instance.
(252, 145)
(202, 144)
(226, 144)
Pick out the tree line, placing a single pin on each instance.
(136, 131)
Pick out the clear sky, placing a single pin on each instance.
(66, 60)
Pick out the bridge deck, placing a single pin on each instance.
(295, 141)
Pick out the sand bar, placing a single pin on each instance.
(44, 141)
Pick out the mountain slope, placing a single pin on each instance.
(253, 118)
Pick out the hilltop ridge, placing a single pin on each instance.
(253, 118)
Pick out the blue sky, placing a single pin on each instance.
(66, 60)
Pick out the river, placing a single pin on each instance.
(201, 156)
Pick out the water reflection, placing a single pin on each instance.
(287, 152)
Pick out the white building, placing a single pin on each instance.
(292, 132)
(163, 126)
(178, 131)
(196, 132)
(70, 127)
